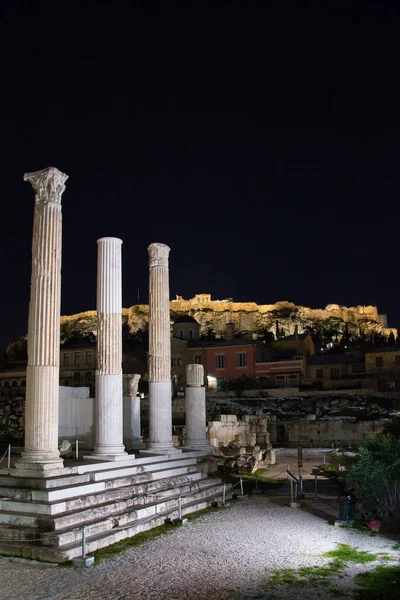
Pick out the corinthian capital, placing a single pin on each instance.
(158, 255)
(48, 184)
(131, 384)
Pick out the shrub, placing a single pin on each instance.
(375, 473)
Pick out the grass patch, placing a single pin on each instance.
(333, 568)
(380, 584)
(284, 577)
(144, 536)
(319, 575)
(396, 547)
(316, 575)
(134, 541)
(346, 553)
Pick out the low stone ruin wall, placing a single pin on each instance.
(326, 432)
(251, 431)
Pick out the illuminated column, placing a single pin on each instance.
(41, 456)
(132, 424)
(195, 407)
(108, 414)
(160, 402)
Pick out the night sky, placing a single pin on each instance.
(260, 140)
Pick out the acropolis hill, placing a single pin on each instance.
(249, 316)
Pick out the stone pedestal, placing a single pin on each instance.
(108, 413)
(41, 457)
(132, 421)
(160, 396)
(195, 406)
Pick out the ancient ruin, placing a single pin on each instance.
(41, 456)
(108, 415)
(46, 507)
(132, 410)
(195, 404)
(160, 409)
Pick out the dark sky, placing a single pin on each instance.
(260, 140)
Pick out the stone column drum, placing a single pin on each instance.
(160, 397)
(132, 423)
(41, 456)
(108, 413)
(195, 407)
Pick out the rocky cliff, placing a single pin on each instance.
(213, 315)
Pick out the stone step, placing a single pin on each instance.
(116, 473)
(127, 518)
(15, 485)
(90, 500)
(111, 537)
(98, 483)
(139, 460)
(104, 538)
(69, 487)
(34, 514)
(139, 505)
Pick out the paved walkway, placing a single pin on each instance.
(228, 554)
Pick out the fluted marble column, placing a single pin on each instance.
(41, 456)
(132, 422)
(160, 397)
(108, 413)
(195, 407)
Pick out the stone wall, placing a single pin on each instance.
(325, 433)
(229, 431)
(11, 418)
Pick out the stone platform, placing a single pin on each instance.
(42, 518)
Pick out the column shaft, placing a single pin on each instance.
(109, 411)
(132, 420)
(195, 408)
(42, 378)
(160, 400)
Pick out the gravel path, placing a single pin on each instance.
(223, 555)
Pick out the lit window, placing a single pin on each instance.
(220, 361)
(241, 358)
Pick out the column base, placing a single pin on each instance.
(137, 444)
(39, 464)
(159, 448)
(109, 453)
(198, 445)
(109, 457)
